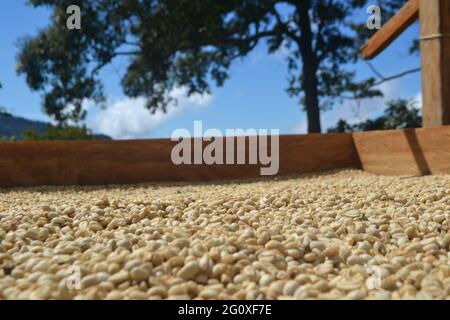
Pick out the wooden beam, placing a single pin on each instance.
(407, 15)
(435, 53)
(26, 164)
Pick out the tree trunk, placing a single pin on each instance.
(309, 85)
(309, 69)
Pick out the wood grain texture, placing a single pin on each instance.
(408, 14)
(405, 152)
(139, 161)
(435, 55)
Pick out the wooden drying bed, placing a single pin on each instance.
(134, 161)
(399, 152)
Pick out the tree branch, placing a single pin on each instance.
(284, 26)
(402, 74)
(383, 80)
(130, 43)
(320, 42)
(374, 70)
(115, 54)
(127, 53)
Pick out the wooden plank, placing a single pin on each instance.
(405, 152)
(435, 53)
(139, 161)
(407, 15)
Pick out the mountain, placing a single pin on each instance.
(13, 127)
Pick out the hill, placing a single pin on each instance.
(13, 127)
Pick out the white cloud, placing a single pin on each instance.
(128, 118)
(417, 101)
(367, 108)
(300, 128)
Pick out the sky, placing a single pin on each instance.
(254, 96)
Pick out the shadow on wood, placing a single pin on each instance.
(421, 162)
(405, 152)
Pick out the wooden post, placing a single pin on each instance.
(435, 52)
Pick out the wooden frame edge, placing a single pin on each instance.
(26, 164)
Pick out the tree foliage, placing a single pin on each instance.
(58, 133)
(399, 114)
(193, 43)
(4, 112)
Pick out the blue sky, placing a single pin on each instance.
(254, 96)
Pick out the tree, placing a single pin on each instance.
(58, 133)
(399, 114)
(193, 43)
(3, 110)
